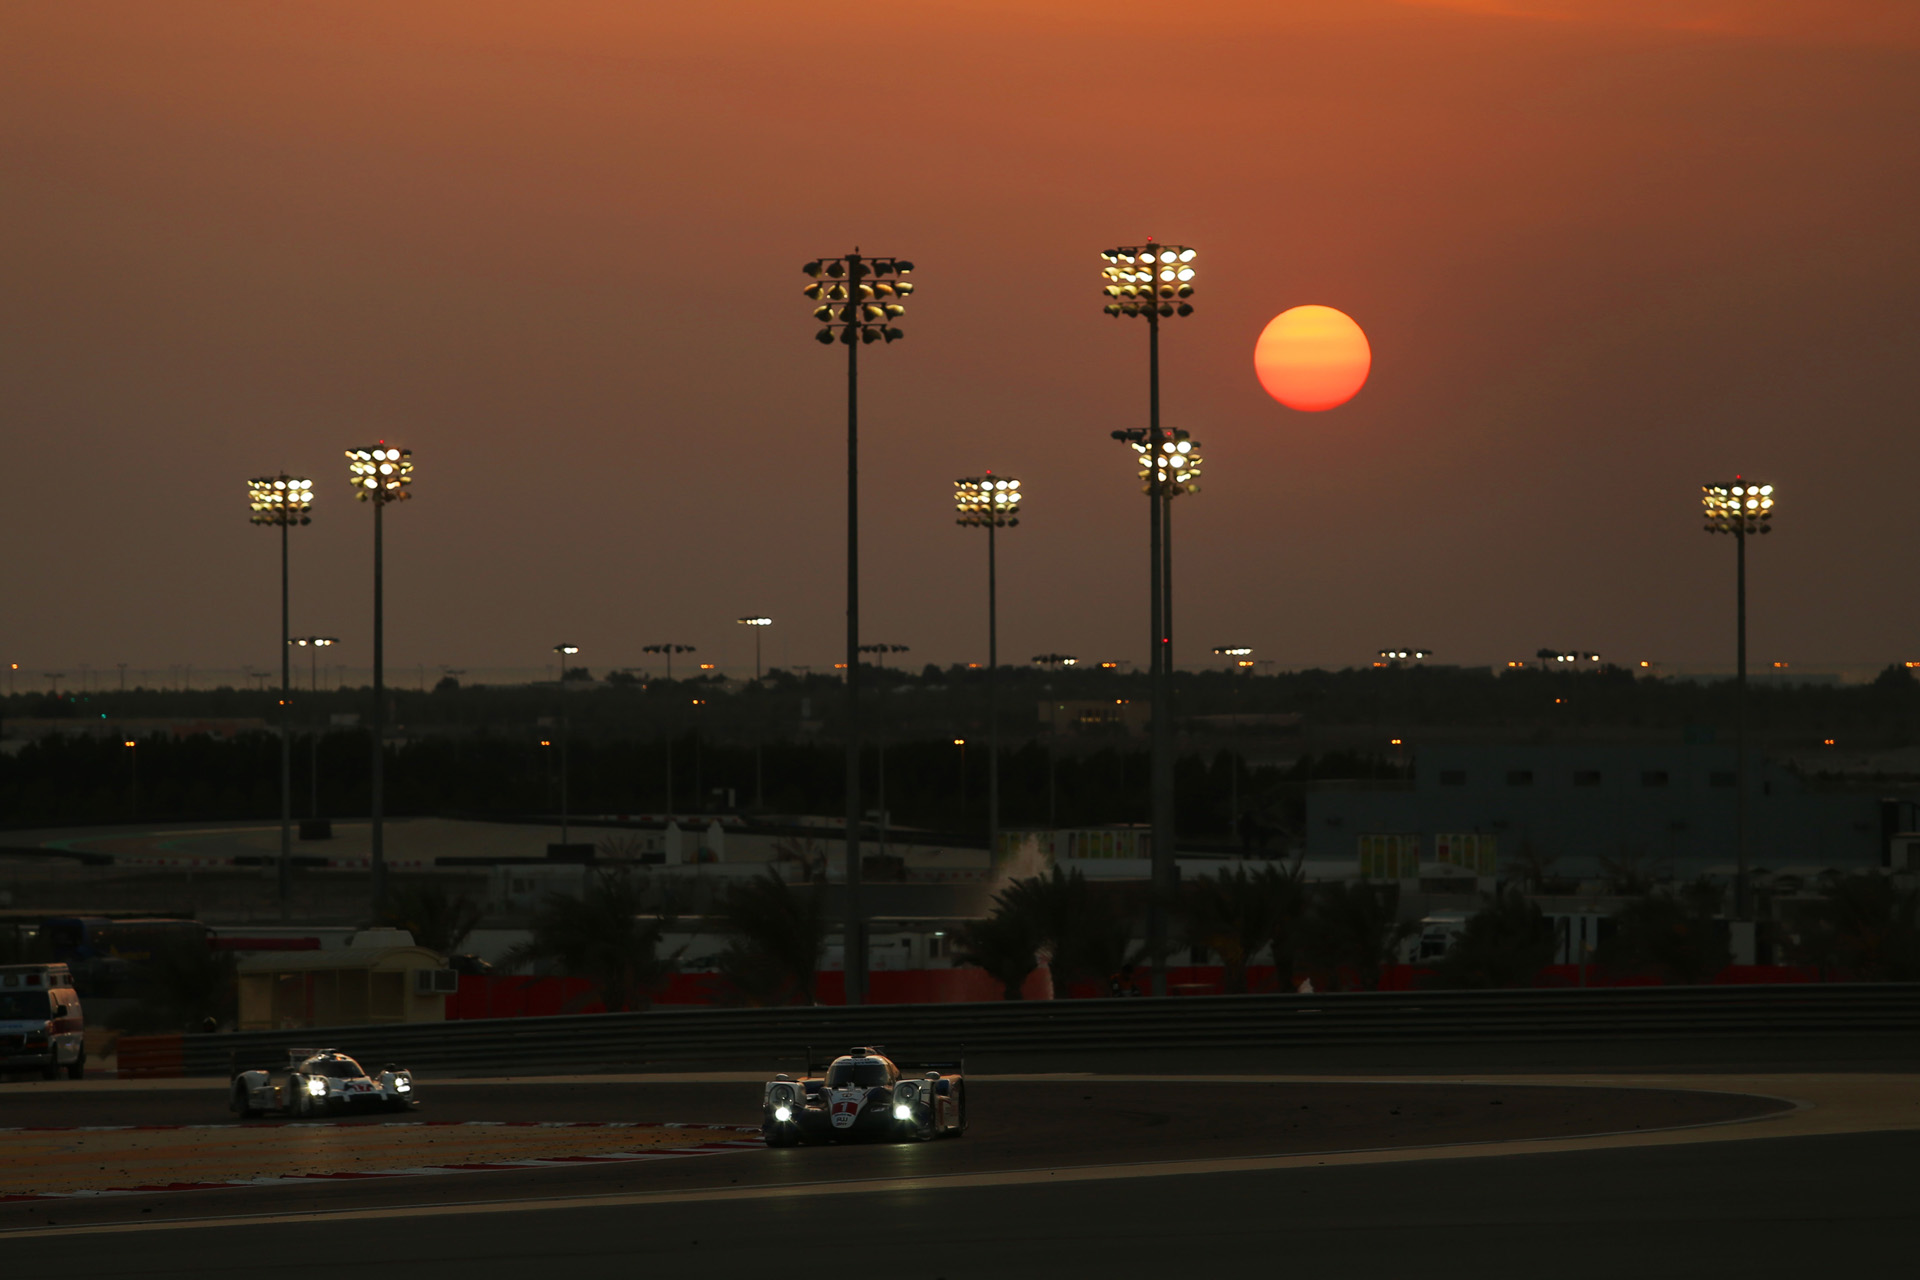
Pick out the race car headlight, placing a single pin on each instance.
(901, 1111)
(403, 1085)
(783, 1114)
(317, 1087)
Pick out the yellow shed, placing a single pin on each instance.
(349, 987)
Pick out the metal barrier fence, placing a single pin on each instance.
(636, 1040)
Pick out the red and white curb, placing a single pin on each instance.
(420, 1171)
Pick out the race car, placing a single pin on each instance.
(866, 1096)
(317, 1082)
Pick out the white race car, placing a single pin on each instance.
(866, 1096)
(316, 1082)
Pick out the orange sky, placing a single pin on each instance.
(1607, 249)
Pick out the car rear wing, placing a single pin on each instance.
(951, 1060)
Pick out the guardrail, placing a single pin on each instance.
(633, 1040)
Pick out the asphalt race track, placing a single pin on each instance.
(1059, 1176)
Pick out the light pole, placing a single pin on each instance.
(859, 301)
(283, 501)
(1155, 281)
(1740, 508)
(758, 624)
(962, 744)
(133, 778)
(880, 743)
(565, 651)
(381, 475)
(313, 645)
(668, 650)
(994, 502)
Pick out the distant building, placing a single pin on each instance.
(1487, 811)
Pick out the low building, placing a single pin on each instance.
(359, 985)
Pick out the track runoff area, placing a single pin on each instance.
(1054, 1169)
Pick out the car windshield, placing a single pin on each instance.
(18, 1005)
(862, 1072)
(335, 1068)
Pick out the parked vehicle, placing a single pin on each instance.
(865, 1095)
(41, 1024)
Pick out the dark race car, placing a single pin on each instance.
(866, 1096)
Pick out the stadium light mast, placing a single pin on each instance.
(860, 299)
(992, 502)
(283, 501)
(1155, 281)
(381, 475)
(1740, 508)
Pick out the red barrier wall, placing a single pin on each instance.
(516, 996)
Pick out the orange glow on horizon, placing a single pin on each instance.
(1312, 358)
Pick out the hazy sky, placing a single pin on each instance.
(1603, 251)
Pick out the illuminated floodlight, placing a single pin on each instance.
(1232, 650)
(280, 500)
(1739, 508)
(1173, 467)
(381, 473)
(1151, 280)
(754, 622)
(987, 500)
(859, 297)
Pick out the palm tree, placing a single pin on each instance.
(1004, 944)
(439, 920)
(1356, 925)
(1674, 936)
(1504, 944)
(780, 935)
(1089, 936)
(602, 937)
(1235, 913)
(1864, 927)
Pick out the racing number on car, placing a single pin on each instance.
(846, 1109)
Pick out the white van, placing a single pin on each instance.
(41, 1026)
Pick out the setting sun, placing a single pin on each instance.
(1312, 358)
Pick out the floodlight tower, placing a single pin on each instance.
(1155, 281)
(860, 300)
(759, 624)
(1740, 508)
(381, 475)
(992, 502)
(283, 501)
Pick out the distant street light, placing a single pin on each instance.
(133, 779)
(381, 474)
(1740, 508)
(860, 299)
(565, 651)
(1054, 661)
(313, 645)
(991, 502)
(1240, 653)
(1407, 655)
(283, 501)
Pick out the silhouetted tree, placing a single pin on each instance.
(779, 935)
(1504, 944)
(1235, 914)
(1864, 927)
(1004, 944)
(1356, 925)
(600, 936)
(1672, 935)
(438, 919)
